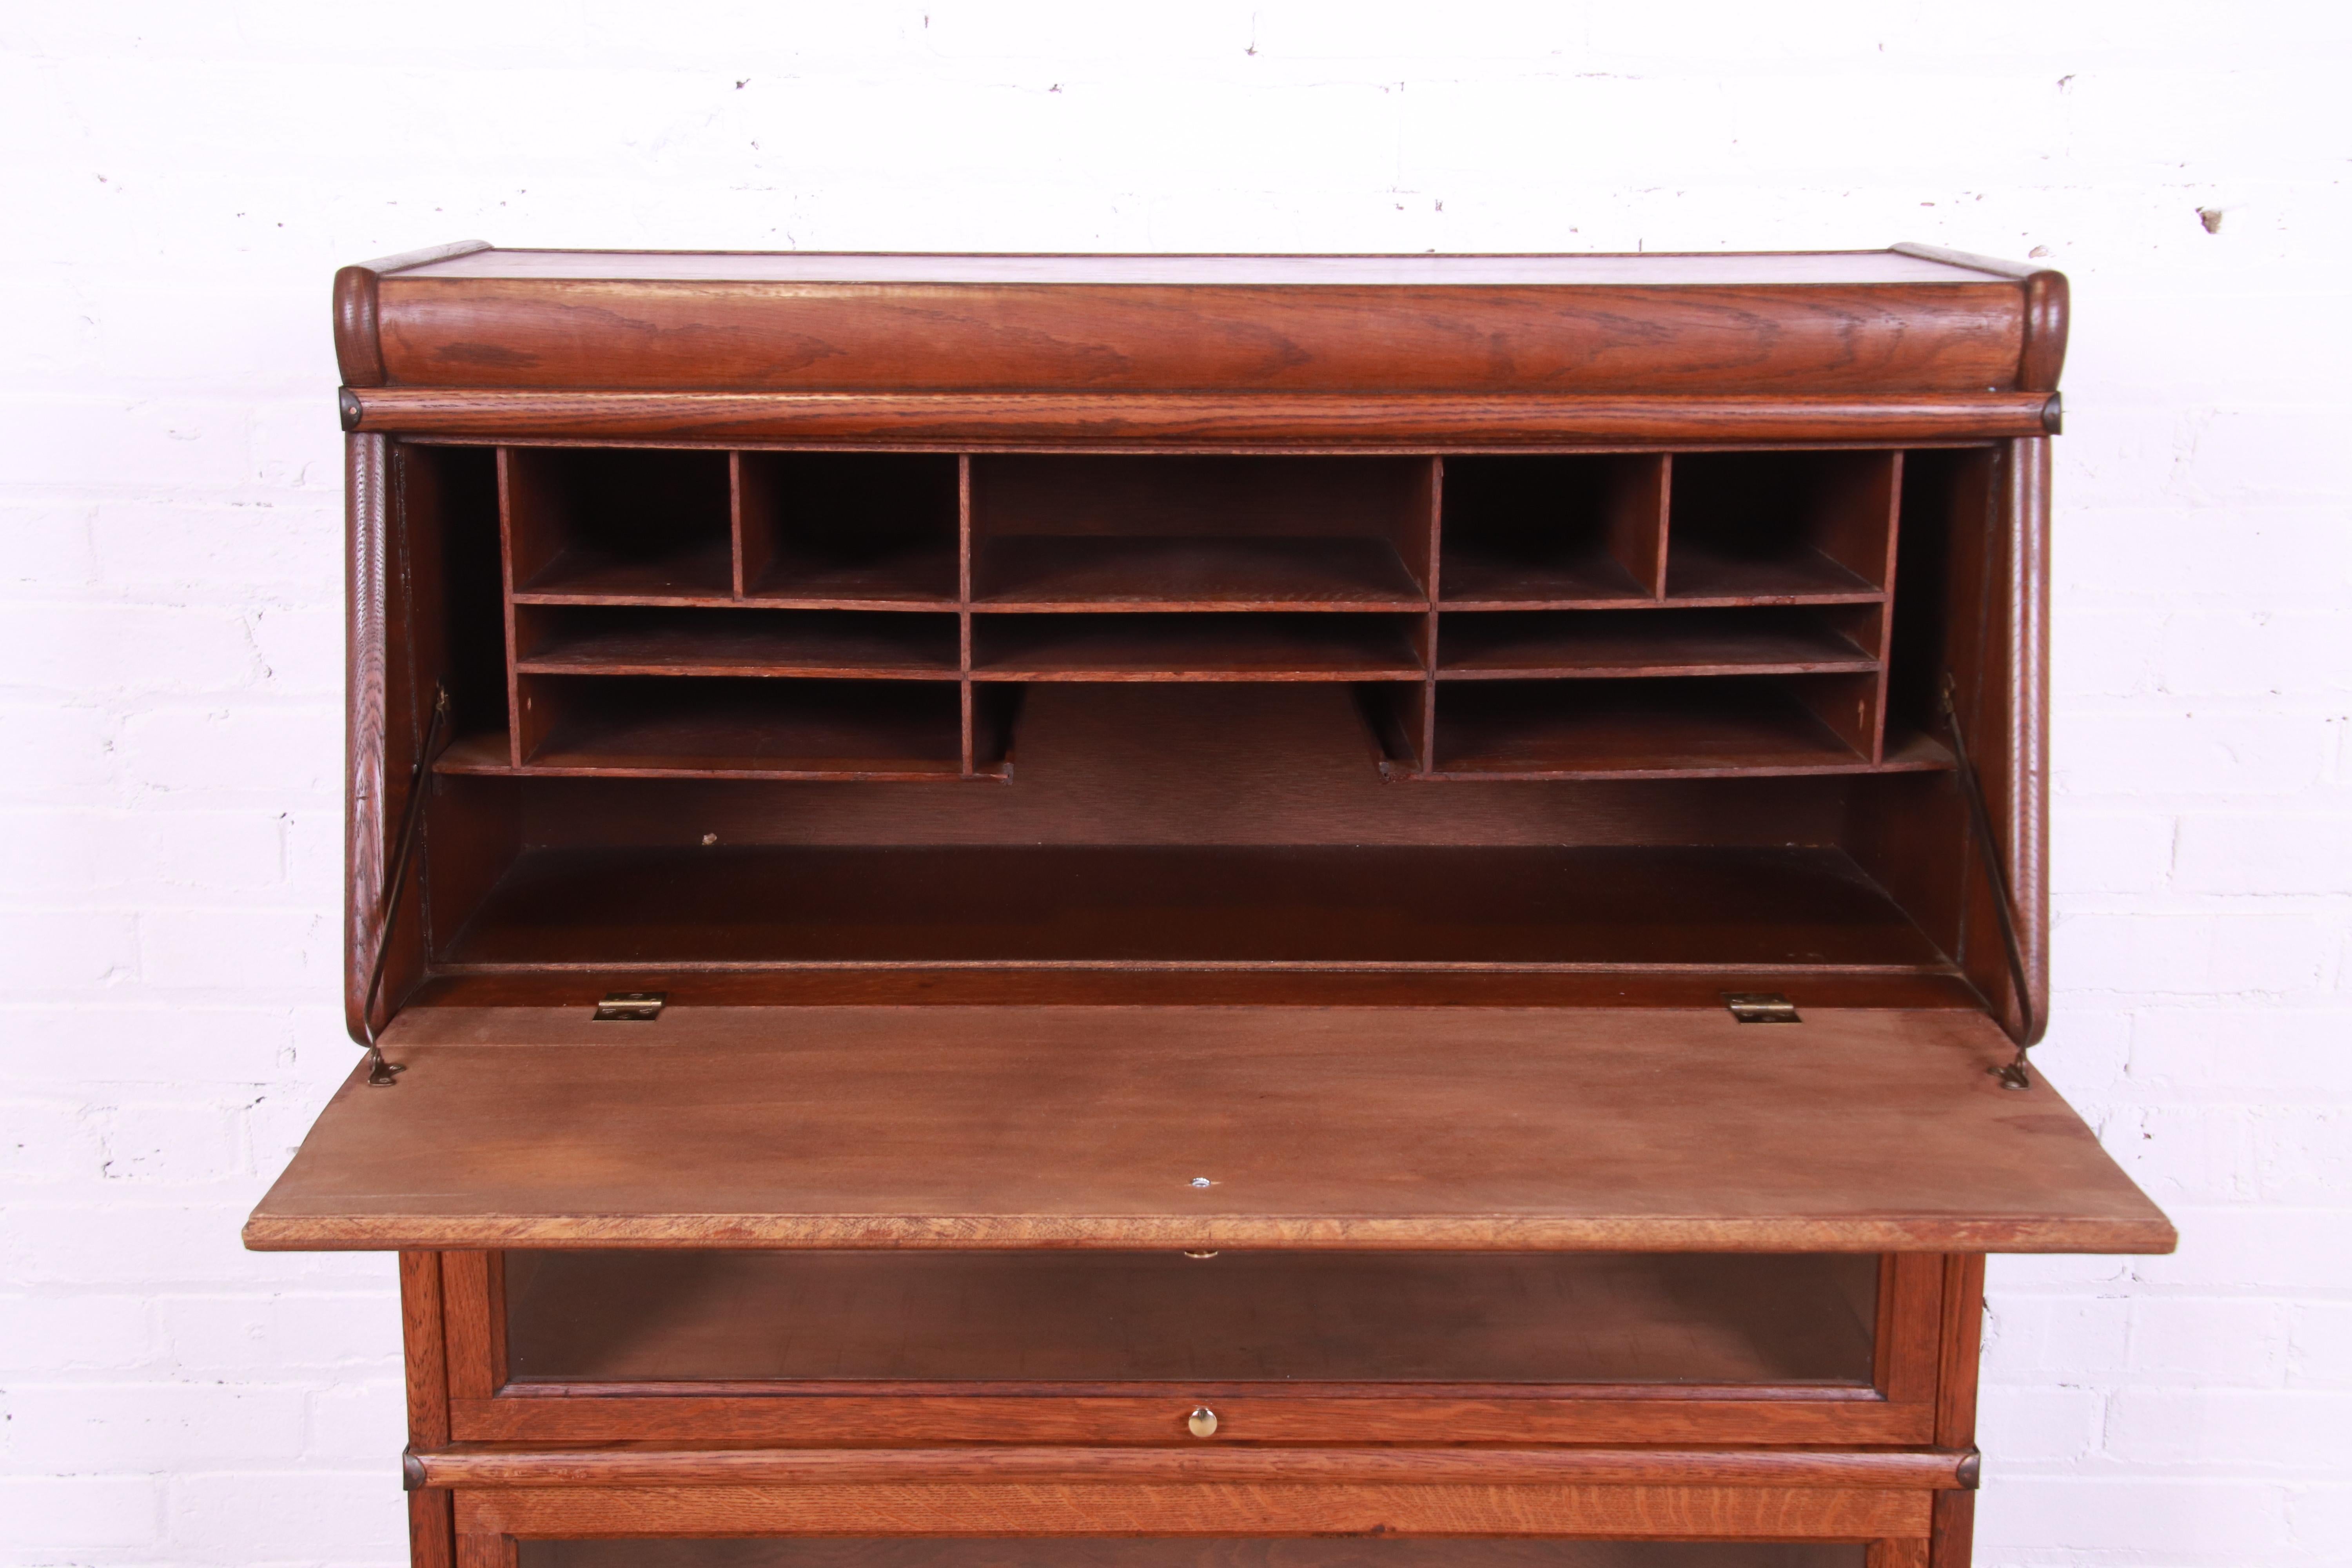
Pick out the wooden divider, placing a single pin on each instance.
(873, 615)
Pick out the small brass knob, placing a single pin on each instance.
(1202, 1422)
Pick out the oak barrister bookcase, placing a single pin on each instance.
(1168, 911)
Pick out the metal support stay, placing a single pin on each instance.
(381, 1074)
(2012, 1073)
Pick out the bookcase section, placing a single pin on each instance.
(1287, 1109)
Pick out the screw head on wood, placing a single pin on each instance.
(1201, 1423)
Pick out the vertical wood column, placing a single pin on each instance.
(1425, 722)
(431, 1524)
(1953, 1538)
(963, 613)
(474, 1320)
(1639, 500)
(380, 749)
(486, 1551)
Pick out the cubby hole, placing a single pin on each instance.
(448, 501)
(1552, 531)
(1217, 647)
(845, 644)
(1089, 1316)
(850, 530)
(616, 525)
(1647, 726)
(1493, 645)
(1763, 527)
(1054, 533)
(734, 727)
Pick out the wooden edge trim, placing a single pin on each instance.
(359, 346)
(2029, 748)
(368, 767)
(1962, 1338)
(359, 352)
(278, 1232)
(1910, 1469)
(472, 1325)
(426, 1351)
(1198, 1509)
(791, 1419)
(970, 421)
(2047, 303)
(1907, 1334)
(2043, 353)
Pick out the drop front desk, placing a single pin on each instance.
(1247, 912)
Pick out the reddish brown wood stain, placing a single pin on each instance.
(1112, 756)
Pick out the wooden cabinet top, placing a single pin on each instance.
(1907, 322)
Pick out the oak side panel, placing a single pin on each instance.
(2004, 708)
(2024, 798)
(367, 733)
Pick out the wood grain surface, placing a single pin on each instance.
(486, 1466)
(1964, 334)
(1145, 1552)
(1208, 1507)
(1203, 1127)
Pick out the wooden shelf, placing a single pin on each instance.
(749, 643)
(586, 575)
(1199, 905)
(1698, 573)
(1206, 647)
(909, 577)
(1479, 578)
(1075, 572)
(1641, 729)
(1491, 647)
(1387, 1128)
(752, 728)
(1239, 1318)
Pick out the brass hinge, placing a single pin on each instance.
(630, 1006)
(1761, 1007)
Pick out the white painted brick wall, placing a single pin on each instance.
(179, 180)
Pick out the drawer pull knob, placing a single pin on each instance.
(1202, 1422)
